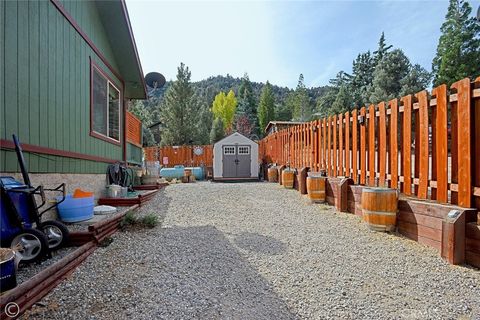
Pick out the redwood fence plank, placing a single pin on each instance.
(464, 152)
(354, 145)
(423, 145)
(393, 143)
(329, 129)
(407, 144)
(371, 145)
(476, 142)
(340, 145)
(347, 144)
(334, 149)
(324, 153)
(363, 136)
(382, 147)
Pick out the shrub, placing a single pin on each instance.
(150, 220)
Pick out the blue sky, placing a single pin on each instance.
(278, 40)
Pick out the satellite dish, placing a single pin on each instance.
(155, 80)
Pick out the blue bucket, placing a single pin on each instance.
(8, 277)
(75, 209)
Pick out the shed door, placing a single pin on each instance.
(229, 156)
(243, 161)
(236, 161)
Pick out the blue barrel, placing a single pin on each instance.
(8, 277)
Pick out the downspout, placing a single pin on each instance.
(124, 145)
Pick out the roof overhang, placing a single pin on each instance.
(117, 25)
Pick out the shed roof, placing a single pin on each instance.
(235, 134)
(117, 25)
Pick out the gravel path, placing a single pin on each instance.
(257, 251)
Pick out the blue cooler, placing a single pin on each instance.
(75, 209)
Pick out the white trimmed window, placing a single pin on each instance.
(105, 113)
(228, 150)
(244, 150)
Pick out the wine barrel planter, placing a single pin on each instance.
(272, 174)
(287, 178)
(379, 208)
(316, 188)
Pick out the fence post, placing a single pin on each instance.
(407, 144)
(393, 143)
(464, 151)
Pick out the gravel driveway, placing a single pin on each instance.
(258, 251)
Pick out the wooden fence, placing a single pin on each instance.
(134, 130)
(180, 155)
(427, 146)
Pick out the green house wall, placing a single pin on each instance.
(45, 84)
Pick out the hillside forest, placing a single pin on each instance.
(185, 112)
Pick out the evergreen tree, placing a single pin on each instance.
(179, 110)
(217, 133)
(283, 112)
(388, 75)
(362, 78)
(224, 107)
(204, 125)
(416, 80)
(325, 102)
(247, 102)
(382, 50)
(343, 101)
(458, 50)
(266, 108)
(301, 108)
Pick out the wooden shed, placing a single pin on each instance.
(235, 157)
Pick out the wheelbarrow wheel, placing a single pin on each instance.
(32, 244)
(57, 233)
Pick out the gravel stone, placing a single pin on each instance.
(258, 251)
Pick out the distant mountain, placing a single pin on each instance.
(211, 86)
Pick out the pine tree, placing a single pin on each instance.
(325, 102)
(266, 108)
(247, 103)
(388, 75)
(301, 108)
(179, 111)
(458, 50)
(382, 50)
(362, 78)
(416, 80)
(343, 101)
(204, 125)
(283, 112)
(217, 133)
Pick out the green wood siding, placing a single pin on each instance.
(134, 154)
(45, 84)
